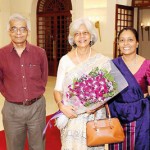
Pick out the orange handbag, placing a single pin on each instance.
(104, 131)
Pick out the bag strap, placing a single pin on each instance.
(107, 111)
(108, 115)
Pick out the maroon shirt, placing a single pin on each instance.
(23, 78)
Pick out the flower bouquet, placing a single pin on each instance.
(90, 89)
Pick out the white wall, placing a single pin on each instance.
(101, 13)
(33, 36)
(144, 45)
(110, 28)
(77, 9)
(4, 15)
(106, 13)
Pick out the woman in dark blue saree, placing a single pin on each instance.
(132, 105)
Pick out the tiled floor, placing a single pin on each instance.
(51, 106)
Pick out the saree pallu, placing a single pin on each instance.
(133, 110)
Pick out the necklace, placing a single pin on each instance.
(77, 56)
(134, 62)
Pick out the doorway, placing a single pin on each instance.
(124, 18)
(53, 20)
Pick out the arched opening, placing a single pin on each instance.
(53, 20)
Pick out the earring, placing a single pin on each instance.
(74, 45)
(91, 43)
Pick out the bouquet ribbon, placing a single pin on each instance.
(54, 116)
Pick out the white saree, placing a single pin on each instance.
(73, 135)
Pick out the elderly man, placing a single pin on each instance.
(23, 77)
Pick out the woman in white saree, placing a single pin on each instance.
(76, 63)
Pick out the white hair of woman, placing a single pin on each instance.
(74, 26)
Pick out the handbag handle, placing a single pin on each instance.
(107, 111)
(109, 117)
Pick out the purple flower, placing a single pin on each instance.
(92, 88)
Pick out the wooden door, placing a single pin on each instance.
(52, 31)
(124, 18)
(141, 3)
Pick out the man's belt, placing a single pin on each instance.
(28, 102)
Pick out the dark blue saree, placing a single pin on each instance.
(131, 106)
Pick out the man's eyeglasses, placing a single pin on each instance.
(21, 29)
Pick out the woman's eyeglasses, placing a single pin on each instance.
(81, 33)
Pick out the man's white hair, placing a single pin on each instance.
(18, 17)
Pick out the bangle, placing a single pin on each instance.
(59, 102)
